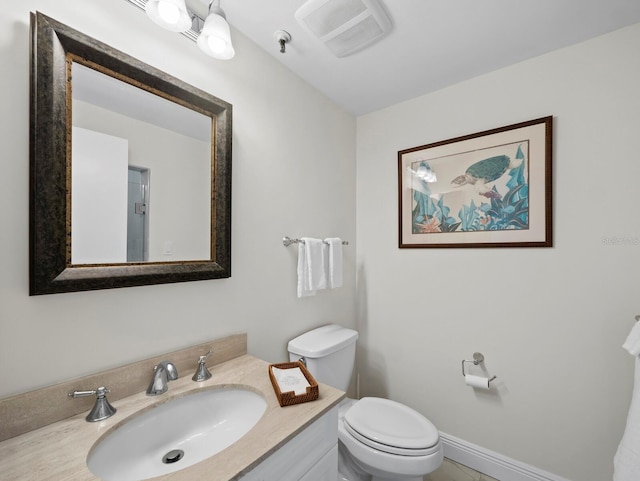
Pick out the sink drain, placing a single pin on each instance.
(173, 456)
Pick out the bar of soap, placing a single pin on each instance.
(291, 380)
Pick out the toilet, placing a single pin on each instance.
(380, 439)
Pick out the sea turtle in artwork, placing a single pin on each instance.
(485, 171)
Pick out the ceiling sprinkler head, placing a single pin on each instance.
(282, 37)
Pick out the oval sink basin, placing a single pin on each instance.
(176, 434)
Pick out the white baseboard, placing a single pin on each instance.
(491, 463)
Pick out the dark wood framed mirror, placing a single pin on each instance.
(58, 53)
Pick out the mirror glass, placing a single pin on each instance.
(130, 170)
(141, 174)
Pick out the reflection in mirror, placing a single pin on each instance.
(124, 138)
(89, 150)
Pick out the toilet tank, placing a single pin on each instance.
(330, 353)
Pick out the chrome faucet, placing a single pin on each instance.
(102, 409)
(202, 373)
(162, 374)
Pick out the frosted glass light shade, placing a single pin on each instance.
(215, 37)
(169, 14)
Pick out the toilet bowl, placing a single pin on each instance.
(379, 439)
(386, 440)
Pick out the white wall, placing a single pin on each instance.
(550, 322)
(283, 166)
(99, 196)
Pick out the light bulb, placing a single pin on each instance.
(216, 44)
(215, 38)
(169, 12)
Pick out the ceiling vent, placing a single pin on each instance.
(344, 26)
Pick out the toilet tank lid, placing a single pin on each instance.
(322, 341)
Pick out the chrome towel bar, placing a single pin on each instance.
(287, 241)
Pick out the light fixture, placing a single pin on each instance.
(209, 30)
(215, 38)
(169, 14)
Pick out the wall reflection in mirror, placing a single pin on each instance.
(141, 174)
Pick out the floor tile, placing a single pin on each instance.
(452, 471)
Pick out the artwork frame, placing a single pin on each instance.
(488, 189)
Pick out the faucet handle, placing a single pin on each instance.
(202, 373)
(102, 409)
(100, 392)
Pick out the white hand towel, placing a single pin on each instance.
(303, 273)
(335, 262)
(316, 253)
(311, 266)
(626, 463)
(632, 344)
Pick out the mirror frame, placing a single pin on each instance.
(53, 45)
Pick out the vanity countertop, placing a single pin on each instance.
(59, 451)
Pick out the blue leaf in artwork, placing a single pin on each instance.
(421, 203)
(462, 213)
(418, 210)
(469, 217)
(512, 196)
(443, 208)
(517, 177)
(425, 208)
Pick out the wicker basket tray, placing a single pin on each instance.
(288, 398)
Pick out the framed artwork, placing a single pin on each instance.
(490, 189)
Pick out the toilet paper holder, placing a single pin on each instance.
(478, 357)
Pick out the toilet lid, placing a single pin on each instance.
(390, 426)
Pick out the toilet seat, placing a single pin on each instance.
(391, 427)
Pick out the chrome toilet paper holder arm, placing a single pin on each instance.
(478, 357)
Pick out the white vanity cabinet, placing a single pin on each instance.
(311, 455)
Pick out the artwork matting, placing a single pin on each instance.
(489, 189)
